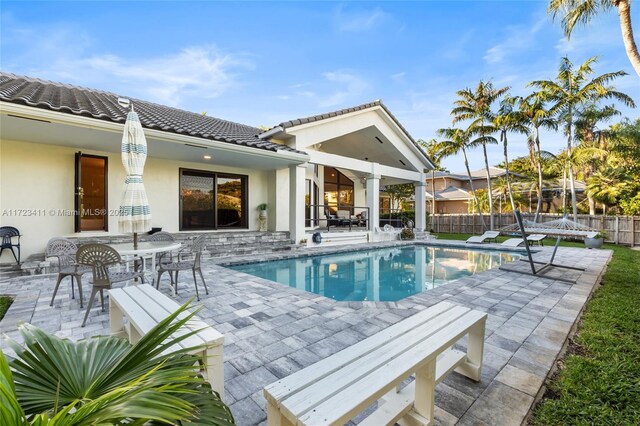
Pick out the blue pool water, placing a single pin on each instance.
(388, 274)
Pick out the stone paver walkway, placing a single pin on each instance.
(272, 330)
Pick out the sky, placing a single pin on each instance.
(261, 63)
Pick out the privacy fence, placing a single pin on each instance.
(618, 229)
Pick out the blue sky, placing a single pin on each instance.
(261, 63)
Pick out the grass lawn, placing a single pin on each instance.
(598, 382)
(5, 302)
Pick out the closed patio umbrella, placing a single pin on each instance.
(135, 214)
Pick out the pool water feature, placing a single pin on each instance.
(388, 274)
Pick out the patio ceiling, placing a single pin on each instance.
(95, 135)
(368, 144)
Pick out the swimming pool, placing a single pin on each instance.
(388, 274)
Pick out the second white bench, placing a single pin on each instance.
(334, 390)
(145, 307)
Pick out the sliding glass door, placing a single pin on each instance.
(210, 200)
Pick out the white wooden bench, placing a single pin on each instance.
(145, 307)
(334, 390)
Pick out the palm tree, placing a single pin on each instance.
(590, 136)
(431, 148)
(570, 90)
(576, 12)
(534, 111)
(508, 119)
(457, 140)
(106, 380)
(476, 106)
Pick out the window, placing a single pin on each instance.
(338, 190)
(91, 193)
(210, 200)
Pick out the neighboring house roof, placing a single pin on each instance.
(324, 116)
(451, 193)
(103, 105)
(494, 172)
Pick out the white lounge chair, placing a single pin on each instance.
(387, 233)
(512, 242)
(488, 235)
(536, 238)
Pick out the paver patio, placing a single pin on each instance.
(272, 330)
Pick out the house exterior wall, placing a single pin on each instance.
(37, 178)
(455, 206)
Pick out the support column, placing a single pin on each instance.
(297, 175)
(373, 200)
(420, 205)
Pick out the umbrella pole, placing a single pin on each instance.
(135, 258)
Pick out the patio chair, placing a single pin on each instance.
(346, 218)
(65, 251)
(8, 234)
(165, 257)
(388, 232)
(512, 242)
(487, 236)
(332, 219)
(180, 264)
(100, 258)
(536, 238)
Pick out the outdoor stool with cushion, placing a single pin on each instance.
(8, 233)
(65, 250)
(195, 251)
(100, 258)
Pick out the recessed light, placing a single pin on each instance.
(207, 157)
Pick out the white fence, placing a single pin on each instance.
(618, 229)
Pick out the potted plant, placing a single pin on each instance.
(263, 209)
(407, 234)
(595, 241)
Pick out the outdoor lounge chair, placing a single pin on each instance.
(512, 242)
(487, 236)
(388, 233)
(8, 234)
(536, 238)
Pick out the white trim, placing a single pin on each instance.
(270, 132)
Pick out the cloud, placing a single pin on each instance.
(358, 21)
(350, 87)
(516, 39)
(63, 53)
(399, 77)
(200, 70)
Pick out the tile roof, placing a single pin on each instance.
(378, 102)
(103, 105)
(453, 193)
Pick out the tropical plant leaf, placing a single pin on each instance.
(106, 380)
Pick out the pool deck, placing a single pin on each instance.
(272, 330)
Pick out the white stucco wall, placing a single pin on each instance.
(40, 177)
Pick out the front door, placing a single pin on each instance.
(91, 193)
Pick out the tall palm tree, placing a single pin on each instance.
(456, 141)
(571, 90)
(534, 111)
(475, 105)
(509, 120)
(576, 12)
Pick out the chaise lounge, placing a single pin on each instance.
(487, 236)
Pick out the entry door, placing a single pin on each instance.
(91, 193)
